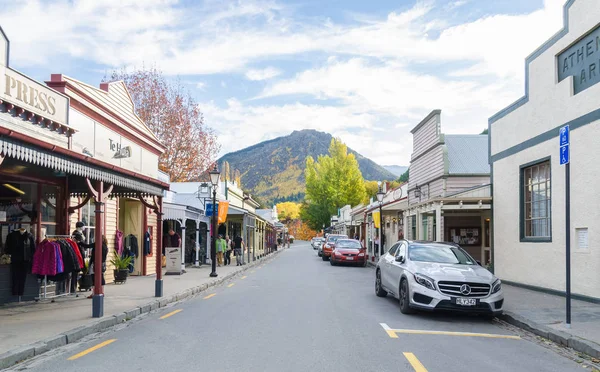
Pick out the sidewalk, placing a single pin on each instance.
(69, 319)
(544, 315)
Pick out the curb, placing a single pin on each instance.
(562, 338)
(12, 357)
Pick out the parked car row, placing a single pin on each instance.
(339, 249)
(422, 275)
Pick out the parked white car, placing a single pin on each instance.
(316, 242)
(437, 276)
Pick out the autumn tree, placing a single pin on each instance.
(172, 114)
(332, 181)
(288, 211)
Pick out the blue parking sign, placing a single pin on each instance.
(564, 155)
(564, 135)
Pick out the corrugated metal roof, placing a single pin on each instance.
(467, 154)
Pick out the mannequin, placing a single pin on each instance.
(21, 246)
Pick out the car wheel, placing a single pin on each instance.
(332, 263)
(404, 298)
(364, 263)
(379, 291)
(324, 258)
(319, 254)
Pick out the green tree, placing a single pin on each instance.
(404, 177)
(332, 181)
(371, 188)
(485, 131)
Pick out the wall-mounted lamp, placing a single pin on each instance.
(417, 191)
(203, 188)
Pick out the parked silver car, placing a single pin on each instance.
(437, 276)
(316, 242)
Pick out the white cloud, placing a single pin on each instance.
(381, 74)
(116, 33)
(264, 74)
(240, 125)
(201, 85)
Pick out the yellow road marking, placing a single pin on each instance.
(393, 333)
(244, 277)
(210, 295)
(414, 362)
(93, 348)
(171, 314)
(230, 285)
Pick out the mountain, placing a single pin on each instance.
(274, 169)
(396, 169)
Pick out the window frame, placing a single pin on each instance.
(522, 168)
(402, 245)
(396, 246)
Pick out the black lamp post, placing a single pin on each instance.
(380, 195)
(214, 179)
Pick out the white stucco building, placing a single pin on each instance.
(527, 177)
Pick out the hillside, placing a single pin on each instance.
(274, 169)
(397, 170)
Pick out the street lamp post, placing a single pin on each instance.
(380, 195)
(214, 179)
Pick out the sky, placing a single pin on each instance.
(364, 71)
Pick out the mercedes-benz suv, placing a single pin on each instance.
(437, 276)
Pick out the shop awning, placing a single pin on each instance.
(182, 212)
(62, 163)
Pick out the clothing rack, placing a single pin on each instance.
(67, 282)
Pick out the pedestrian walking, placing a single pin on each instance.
(221, 247)
(228, 250)
(238, 245)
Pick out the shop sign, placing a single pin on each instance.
(582, 61)
(27, 93)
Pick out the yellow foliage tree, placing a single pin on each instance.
(288, 211)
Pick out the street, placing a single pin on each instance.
(298, 313)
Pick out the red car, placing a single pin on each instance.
(329, 245)
(348, 251)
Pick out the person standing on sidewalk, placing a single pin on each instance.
(221, 247)
(228, 249)
(238, 245)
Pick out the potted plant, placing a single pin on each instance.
(85, 281)
(121, 265)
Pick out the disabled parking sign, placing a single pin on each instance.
(564, 135)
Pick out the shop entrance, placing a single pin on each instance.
(131, 224)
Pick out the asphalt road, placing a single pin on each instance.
(298, 313)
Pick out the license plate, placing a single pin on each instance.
(466, 301)
(349, 258)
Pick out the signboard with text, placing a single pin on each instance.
(582, 61)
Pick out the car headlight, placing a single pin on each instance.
(497, 286)
(361, 254)
(425, 281)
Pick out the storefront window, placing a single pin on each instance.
(536, 198)
(413, 227)
(88, 217)
(50, 204)
(18, 202)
